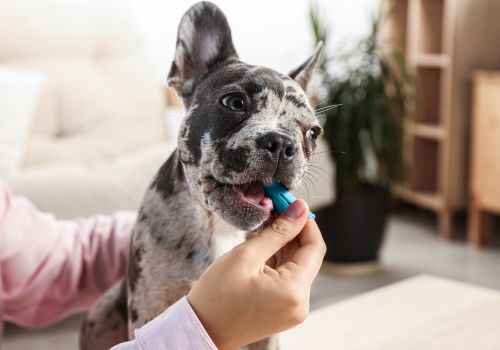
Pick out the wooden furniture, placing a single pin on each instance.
(442, 40)
(424, 312)
(485, 156)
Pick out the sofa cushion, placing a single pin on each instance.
(97, 75)
(73, 190)
(106, 142)
(79, 94)
(19, 92)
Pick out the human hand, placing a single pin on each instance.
(262, 286)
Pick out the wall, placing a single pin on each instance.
(273, 33)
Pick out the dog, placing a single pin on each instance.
(244, 125)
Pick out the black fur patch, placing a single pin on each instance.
(179, 243)
(184, 131)
(158, 230)
(191, 254)
(121, 303)
(235, 160)
(134, 316)
(296, 101)
(264, 78)
(168, 176)
(134, 269)
(143, 216)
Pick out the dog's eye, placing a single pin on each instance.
(234, 102)
(313, 133)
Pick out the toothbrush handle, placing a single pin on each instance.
(282, 198)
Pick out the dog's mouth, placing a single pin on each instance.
(253, 193)
(243, 205)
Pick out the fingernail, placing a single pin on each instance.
(295, 210)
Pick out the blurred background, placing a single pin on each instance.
(405, 182)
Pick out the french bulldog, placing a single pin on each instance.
(244, 125)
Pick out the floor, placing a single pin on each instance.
(411, 248)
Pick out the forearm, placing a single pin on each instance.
(51, 268)
(176, 328)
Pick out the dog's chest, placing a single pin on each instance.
(225, 237)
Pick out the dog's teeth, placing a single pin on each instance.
(267, 181)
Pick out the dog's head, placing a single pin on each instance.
(244, 124)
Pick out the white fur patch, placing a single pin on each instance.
(225, 238)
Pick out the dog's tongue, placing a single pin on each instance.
(255, 193)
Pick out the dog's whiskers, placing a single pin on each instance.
(315, 179)
(326, 108)
(341, 152)
(315, 166)
(322, 176)
(320, 102)
(312, 184)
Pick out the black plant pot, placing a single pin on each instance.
(354, 226)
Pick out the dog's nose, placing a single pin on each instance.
(277, 146)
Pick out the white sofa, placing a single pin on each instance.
(98, 134)
(100, 131)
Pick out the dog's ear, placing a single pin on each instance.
(203, 42)
(304, 72)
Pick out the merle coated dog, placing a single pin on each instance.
(244, 125)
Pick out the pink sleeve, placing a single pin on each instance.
(178, 327)
(50, 268)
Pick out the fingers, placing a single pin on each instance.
(284, 229)
(308, 258)
(288, 251)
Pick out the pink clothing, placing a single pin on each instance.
(51, 268)
(176, 328)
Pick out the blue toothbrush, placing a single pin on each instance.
(281, 197)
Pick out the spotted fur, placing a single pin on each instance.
(191, 214)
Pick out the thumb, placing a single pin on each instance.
(284, 229)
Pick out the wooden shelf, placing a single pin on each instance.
(428, 94)
(428, 200)
(429, 131)
(425, 166)
(443, 42)
(430, 60)
(429, 25)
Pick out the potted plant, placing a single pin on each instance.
(374, 92)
